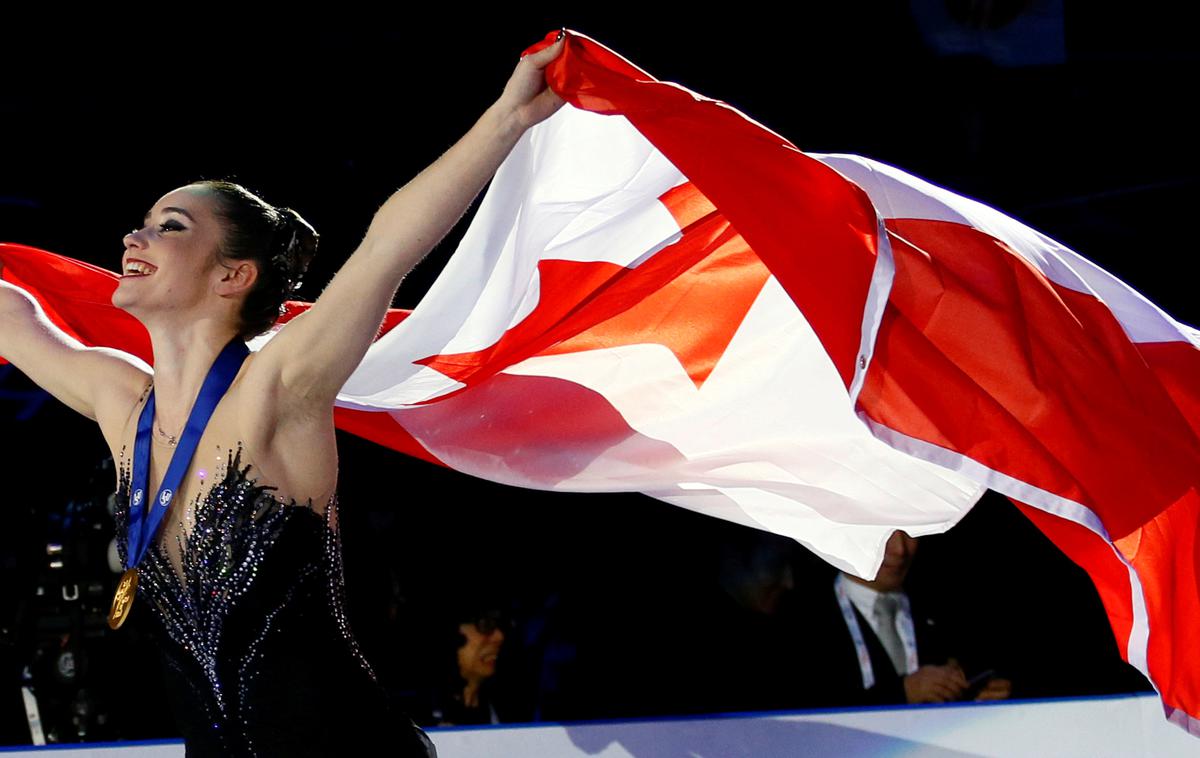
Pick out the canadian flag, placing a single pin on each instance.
(658, 294)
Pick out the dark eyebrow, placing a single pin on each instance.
(169, 209)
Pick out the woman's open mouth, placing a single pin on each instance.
(138, 268)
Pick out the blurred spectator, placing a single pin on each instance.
(466, 694)
(887, 649)
(721, 638)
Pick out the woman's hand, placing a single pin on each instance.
(526, 97)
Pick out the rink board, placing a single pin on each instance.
(1116, 726)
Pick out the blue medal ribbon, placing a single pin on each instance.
(144, 517)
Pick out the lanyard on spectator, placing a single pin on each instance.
(904, 629)
(860, 646)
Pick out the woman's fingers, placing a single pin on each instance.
(526, 94)
(542, 57)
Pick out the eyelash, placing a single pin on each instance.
(170, 226)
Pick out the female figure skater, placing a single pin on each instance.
(233, 455)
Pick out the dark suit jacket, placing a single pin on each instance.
(836, 678)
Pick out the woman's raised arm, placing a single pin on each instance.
(101, 383)
(314, 354)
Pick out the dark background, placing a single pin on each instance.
(1072, 117)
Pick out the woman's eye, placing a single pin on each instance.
(170, 226)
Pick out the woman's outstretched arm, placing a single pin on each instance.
(99, 382)
(314, 354)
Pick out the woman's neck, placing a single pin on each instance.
(182, 359)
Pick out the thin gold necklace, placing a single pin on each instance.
(170, 439)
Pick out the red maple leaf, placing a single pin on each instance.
(690, 297)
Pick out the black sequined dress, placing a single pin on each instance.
(259, 659)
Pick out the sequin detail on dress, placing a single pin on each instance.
(259, 588)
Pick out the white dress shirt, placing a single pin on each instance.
(864, 598)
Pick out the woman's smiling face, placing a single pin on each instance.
(169, 263)
(478, 654)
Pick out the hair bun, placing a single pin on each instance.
(294, 248)
(279, 241)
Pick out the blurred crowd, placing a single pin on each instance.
(742, 620)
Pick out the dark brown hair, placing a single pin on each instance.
(277, 239)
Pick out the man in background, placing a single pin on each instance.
(888, 650)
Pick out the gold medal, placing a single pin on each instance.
(123, 599)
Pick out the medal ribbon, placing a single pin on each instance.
(144, 517)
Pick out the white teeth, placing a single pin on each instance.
(137, 268)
